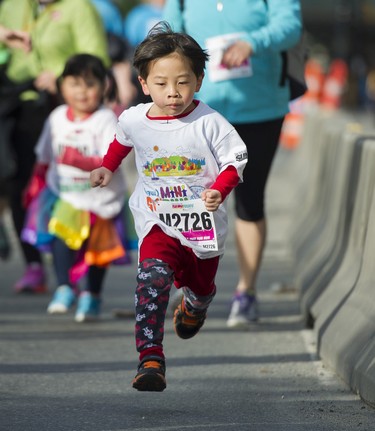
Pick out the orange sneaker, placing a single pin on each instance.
(187, 324)
(151, 375)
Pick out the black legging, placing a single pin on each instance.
(63, 261)
(261, 140)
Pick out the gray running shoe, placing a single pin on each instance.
(244, 311)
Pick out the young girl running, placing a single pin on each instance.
(188, 159)
(81, 226)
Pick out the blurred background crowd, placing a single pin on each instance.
(344, 29)
(336, 29)
(340, 36)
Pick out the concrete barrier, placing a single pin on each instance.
(324, 308)
(317, 236)
(298, 172)
(332, 244)
(310, 200)
(346, 342)
(298, 169)
(326, 253)
(363, 379)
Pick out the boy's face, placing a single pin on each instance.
(171, 83)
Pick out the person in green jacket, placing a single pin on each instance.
(57, 31)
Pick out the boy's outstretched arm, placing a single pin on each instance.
(224, 184)
(111, 161)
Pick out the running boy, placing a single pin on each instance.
(188, 159)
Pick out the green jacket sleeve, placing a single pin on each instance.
(64, 28)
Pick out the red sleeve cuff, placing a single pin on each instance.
(226, 181)
(115, 155)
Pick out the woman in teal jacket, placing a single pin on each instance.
(244, 83)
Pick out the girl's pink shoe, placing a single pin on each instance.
(32, 281)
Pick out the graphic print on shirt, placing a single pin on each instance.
(78, 144)
(172, 166)
(178, 205)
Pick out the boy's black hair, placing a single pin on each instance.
(162, 41)
(85, 65)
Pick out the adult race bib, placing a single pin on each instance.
(216, 47)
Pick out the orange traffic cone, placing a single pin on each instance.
(334, 85)
(291, 133)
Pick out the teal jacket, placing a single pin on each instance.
(269, 27)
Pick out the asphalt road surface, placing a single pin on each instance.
(56, 374)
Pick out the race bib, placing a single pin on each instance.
(191, 219)
(216, 47)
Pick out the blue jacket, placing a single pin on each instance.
(139, 21)
(111, 16)
(269, 28)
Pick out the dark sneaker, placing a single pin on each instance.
(151, 375)
(187, 324)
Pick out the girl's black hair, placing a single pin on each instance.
(85, 66)
(162, 41)
(88, 66)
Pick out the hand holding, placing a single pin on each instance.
(15, 39)
(236, 54)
